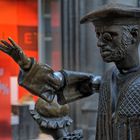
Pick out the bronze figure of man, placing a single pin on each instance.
(118, 32)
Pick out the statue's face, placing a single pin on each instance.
(110, 42)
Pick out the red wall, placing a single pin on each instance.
(18, 19)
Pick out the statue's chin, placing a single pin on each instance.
(114, 56)
(112, 59)
(107, 60)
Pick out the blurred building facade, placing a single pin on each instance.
(19, 20)
(79, 53)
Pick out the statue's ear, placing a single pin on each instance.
(135, 33)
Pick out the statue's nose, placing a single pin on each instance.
(101, 43)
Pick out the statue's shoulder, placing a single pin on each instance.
(136, 79)
(135, 85)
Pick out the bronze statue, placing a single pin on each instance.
(118, 32)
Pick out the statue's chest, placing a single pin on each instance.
(129, 103)
(121, 97)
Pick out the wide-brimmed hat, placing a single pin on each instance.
(113, 12)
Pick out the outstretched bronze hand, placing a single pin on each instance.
(16, 53)
(40, 79)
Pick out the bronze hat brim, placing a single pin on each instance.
(112, 11)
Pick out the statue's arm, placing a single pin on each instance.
(77, 85)
(69, 86)
(39, 79)
(42, 81)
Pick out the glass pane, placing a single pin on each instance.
(48, 52)
(46, 6)
(47, 27)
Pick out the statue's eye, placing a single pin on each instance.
(107, 37)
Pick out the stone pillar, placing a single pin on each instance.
(79, 53)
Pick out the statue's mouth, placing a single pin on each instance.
(105, 52)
